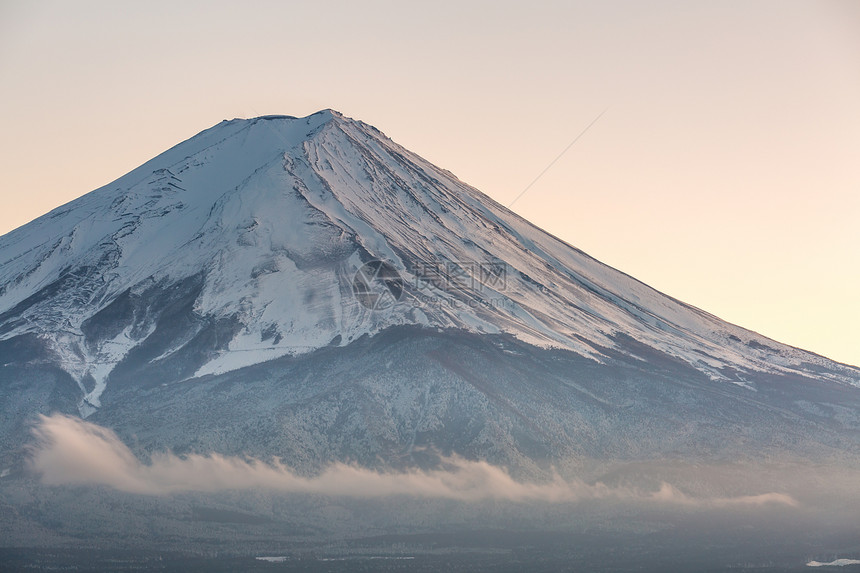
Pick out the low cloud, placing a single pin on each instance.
(668, 493)
(834, 563)
(71, 451)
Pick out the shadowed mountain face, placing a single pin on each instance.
(409, 395)
(308, 289)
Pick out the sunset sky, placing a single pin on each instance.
(725, 170)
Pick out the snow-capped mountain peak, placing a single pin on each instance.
(277, 235)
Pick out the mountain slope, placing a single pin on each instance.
(281, 238)
(276, 214)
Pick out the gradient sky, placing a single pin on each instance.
(725, 171)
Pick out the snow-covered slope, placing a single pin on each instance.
(243, 244)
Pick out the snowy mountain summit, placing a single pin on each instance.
(273, 238)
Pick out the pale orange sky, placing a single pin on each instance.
(726, 171)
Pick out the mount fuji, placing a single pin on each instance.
(306, 288)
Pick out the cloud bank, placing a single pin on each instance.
(71, 451)
(834, 563)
